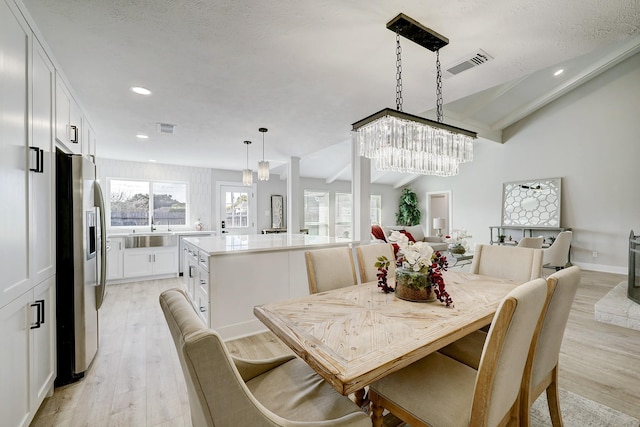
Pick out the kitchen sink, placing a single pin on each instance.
(151, 240)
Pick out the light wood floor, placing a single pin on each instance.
(136, 378)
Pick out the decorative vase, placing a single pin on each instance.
(457, 248)
(413, 286)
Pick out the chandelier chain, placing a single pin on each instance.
(398, 73)
(438, 88)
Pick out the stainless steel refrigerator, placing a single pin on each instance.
(81, 264)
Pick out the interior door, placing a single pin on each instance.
(237, 209)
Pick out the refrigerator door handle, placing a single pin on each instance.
(102, 284)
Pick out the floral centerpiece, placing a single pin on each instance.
(458, 241)
(419, 271)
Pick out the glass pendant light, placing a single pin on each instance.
(247, 174)
(263, 166)
(403, 142)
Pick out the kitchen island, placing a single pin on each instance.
(226, 276)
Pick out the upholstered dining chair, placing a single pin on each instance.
(507, 262)
(440, 391)
(368, 255)
(228, 391)
(541, 373)
(557, 255)
(531, 242)
(330, 268)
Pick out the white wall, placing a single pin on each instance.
(591, 138)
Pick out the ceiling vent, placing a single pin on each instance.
(474, 59)
(166, 128)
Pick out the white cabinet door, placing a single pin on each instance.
(165, 261)
(202, 295)
(115, 258)
(68, 119)
(43, 345)
(43, 178)
(14, 361)
(14, 198)
(137, 262)
(88, 139)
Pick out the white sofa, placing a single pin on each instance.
(437, 243)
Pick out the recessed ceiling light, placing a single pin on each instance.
(142, 136)
(557, 73)
(141, 90)
(152, 160)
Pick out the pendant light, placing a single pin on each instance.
(403, 142)
(247, 174)
(263, 166)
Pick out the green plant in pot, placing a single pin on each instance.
(408, 210)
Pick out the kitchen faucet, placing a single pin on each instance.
(153, 227)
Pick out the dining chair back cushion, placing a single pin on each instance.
(440, 391)
(531, 242)
(547, 349)
(227, 391)
(507, 262)
(505, 354)
(330, 268)
(367, 258)
(557, 255)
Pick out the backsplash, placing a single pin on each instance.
(199, 180)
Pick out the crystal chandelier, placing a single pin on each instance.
(263, 166)
(402, 142)
(247, 174)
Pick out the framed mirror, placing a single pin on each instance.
(277, 211)
(534, 202)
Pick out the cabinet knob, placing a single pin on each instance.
(203, 310)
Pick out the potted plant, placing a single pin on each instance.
(408, 210)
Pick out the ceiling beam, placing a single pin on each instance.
(336, 175)
(613, 58)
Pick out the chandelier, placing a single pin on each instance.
(247, 174)
(263, 166)
(403, 142)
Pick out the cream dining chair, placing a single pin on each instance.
(439, 391)
(541, 373)
(227, 391)
(368, 255)
(507, 262)
(557, 255)
(531, 242)
(330, 268)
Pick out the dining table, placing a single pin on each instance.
(355, 335)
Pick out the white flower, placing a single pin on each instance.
(417, 255)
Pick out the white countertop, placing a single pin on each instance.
(161, 233)
(227, 244)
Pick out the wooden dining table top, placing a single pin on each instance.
(356, 335)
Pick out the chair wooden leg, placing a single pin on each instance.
(553, 400)
(376, 410)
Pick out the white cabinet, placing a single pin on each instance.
(150, 261)
(115, 261)
(68, 119)
(88, 139)
(14, 174)
(43, 344)
(27, 326)
(27, 245)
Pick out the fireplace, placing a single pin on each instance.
(633, 291)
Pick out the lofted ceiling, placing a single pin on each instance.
(307, 69)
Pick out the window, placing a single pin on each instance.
(375, 209)
(343, 215)
(316, 212)
(137, 203)
(236, 206)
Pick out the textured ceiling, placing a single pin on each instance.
(306, 70)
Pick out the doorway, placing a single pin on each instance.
(439, 206)
(237, 210)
